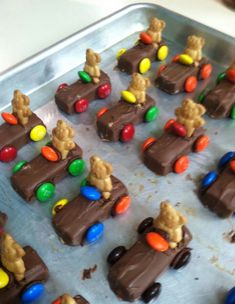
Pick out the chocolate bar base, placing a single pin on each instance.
(171, 80)
(65, 98)
(140, 266)
(220, 196)
(80, 300)
(18, 135)
(130, 60)
(40, 170)
(36, 271)
(220, 100)
(73, 220)
(111, 123)
(161, 156)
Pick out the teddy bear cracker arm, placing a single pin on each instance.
(170, 221)
(100, 176)
(189, 115)
(138, 87)
(92, 65)
(20, 107)
(11, 256)
(62, 138)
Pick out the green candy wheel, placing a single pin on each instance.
(77, 167)
(202, 96)
(83, 182)
(220, 77)
(233, 112)
(85, 78)
(151, 114)
(45, 191)
(18, 166)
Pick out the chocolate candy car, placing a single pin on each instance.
(93, 84)
(217, 191)
(70, 300)
(220, 101)
(149, 48)
(183, 73)
(20, 127)
(79, 221)
(117, 123)
(133, 272)
(30, 287)
(37, 178)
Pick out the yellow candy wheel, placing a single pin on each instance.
(144, 65)
(162, 52)
(120, 53)
(38, 133)
(59, 205)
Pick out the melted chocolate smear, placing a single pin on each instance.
(88, 272)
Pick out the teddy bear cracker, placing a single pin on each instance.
(135, 106)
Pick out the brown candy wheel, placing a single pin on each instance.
(116, 254)
(152, 292)
(181, 259)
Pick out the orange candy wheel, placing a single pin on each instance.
(49, 154)
(122, 205)
(190, 84)
(202, 143)
(9, 118)
(156, 241)
(169, 123)
(101, 112)
(146, 38)
(176, 58)
(148, 142)
(181, 164)
(231, 75)
(58, 301)
(206, 71)
(232, 165)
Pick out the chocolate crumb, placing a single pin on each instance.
(189, 177)
(87, 272)
(196, 279)
(87, 129)
(230, 236)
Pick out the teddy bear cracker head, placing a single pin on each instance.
(156, 25)
(100, 168)
(139, 82)
(195, 42)
(92, 58)
(171, 217)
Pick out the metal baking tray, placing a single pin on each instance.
(211, 271)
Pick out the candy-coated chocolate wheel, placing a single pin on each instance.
(4, 277)
(202, 96)
(94, 233)
(62, 86)
(77, 167)
(81, 105)
(50, 154)
(209, 179)
(181, 259)
(101, 112)
(230, 299)
(38, 133)
(233, 112)
(231, 75)
(162, 68)
(220, 77)
(45, 191)
(144, 65)
(176, 58)
(8, 154)
(146, 38)
(18, 166)
(179, 129)
(59, 205)
(116, 254)
(156, 241)
(120, 53)
(162, 53)
(84, 76)
(181, 165)
(57, 301)
(205, 71)
(232, 165)
(190, 84)
(84, 182)
(147, 143)
(104, 90)
(32, 293)
(145, 224)
(201, 143)
(122, 205)
(225, 159)
(151, 114)
(127, 133)
(9, 118)
(152, 292)
(169, 123)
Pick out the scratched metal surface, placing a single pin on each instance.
(211, 271)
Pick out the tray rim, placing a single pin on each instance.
(28, 61)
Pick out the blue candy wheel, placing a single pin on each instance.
(209, 179)
(32, 293)
(225, 159)
(95, 232)
(230, 299)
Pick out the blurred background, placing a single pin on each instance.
(29, 26)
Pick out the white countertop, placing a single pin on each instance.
(29, 26)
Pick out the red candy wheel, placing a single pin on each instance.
(190, 84)
(81, 105)
(104, 90)
(62, 86)
(58, 301)
(205, 71)
(201, 143)
(181, 164)
(168, 124)
(162, 68)
(176, 58)
(8, 154)
(146, 38)
(179, 129)
(101, 112)
(122, 205)
(231, 75)
(232, 165)
(147, 143)
(127, 133)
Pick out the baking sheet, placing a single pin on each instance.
(211, 271)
